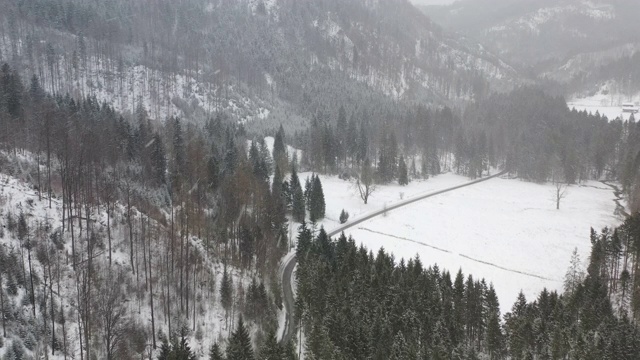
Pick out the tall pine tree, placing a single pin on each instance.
(239, 347)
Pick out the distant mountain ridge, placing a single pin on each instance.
(563, 40)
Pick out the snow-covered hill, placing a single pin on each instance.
(60, 284)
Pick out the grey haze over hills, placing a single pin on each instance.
(432, 2)
(581, 43)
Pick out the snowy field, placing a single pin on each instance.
(504, 230)
(606, 105)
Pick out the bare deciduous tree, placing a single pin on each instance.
(560, 192)
(111, 312)
(560, 183)
(364, 183)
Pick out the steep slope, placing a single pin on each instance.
(246, 57)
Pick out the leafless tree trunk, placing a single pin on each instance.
(365, 190)
(111, 311)
(560, 192)
(364, 183)
(4, 328)
(153, 323)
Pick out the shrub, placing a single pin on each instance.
(344, 217)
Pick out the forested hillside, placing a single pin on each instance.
(620, 76)
(134, 233)
(248, 58)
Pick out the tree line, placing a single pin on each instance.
(533, 135)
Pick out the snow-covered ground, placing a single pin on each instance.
(504, 230)
(606, 104)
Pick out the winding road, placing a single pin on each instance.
(290, 262)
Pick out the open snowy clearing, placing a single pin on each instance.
(606, 105)
(504, 230)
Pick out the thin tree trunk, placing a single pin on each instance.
(4, 328)
(53, 314)
(109, 229)
(194, 298)
(144, 253)
(33, 296)
(153, 323)
(38, 170)
(130, 227)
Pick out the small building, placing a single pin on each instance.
(629, 108)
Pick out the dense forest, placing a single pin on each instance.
(533, 135)
(173, 219)
(354, 304)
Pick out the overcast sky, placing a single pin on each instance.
(432, 2)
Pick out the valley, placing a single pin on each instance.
(321, 180)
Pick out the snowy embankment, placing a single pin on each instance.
(504, 230)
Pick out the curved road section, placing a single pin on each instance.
(290, 261)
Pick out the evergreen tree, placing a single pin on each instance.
(182, 350)
(280, 156)
(226, 292)
(304, 242)
(297, 197)
(403, 177)
(36, 92)
(247, 246)
(266, 161)
(289, 352)
(213, 169)
(363, 143)
(575, 274)
(271, 350)
(179, 152)
(494, 336)
(399, 350)
(239, 347)
(215, 353)
(317, 204)
(307, 192)
(341, 136)
(231, 154)
(11, 91)
(344, 216)
(388, 155)
(258, 162)
(278, 203)
(179, 349)
(158, 159)
(276, 185)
